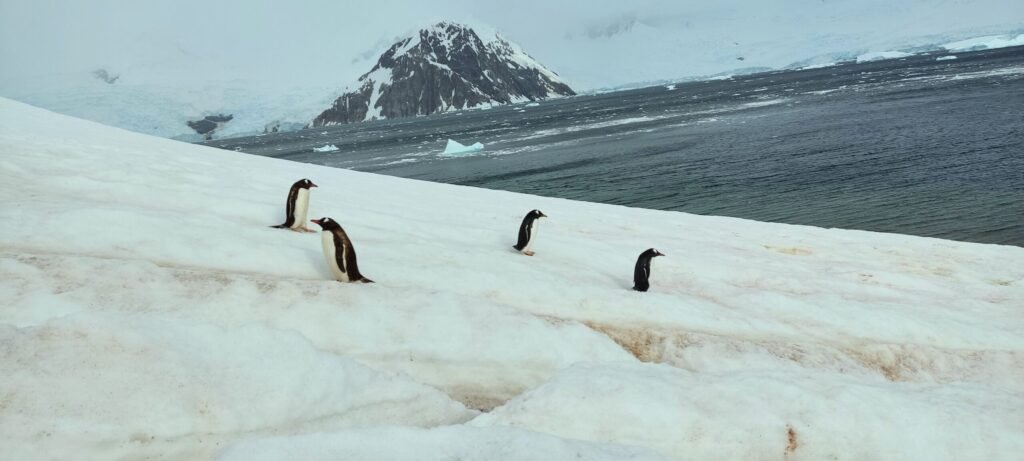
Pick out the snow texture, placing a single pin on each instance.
(440, 444)
(150, 312)
(801, 414)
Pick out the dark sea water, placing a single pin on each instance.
(920, 145)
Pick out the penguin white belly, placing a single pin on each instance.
(301, 208)
(327, 238)
(531, 238)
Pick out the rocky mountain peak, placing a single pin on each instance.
(444, 67)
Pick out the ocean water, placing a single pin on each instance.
(920, 145)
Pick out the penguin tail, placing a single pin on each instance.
(366, 280)
(279, 226)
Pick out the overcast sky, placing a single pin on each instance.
(590, 42)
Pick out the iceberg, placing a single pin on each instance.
(326, 148)
(455, 148)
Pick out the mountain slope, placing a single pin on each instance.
(150, 312)
(447, 66)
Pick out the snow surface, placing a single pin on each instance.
(453, 147)
(150, 312)
(794, 413)
(440, 444)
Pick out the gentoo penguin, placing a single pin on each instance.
(642, 271)
(339, 253)
(297, 206)
(528, 232)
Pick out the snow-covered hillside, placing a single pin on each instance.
(164, 109)
(150, 312)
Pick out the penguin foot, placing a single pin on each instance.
(528, 253)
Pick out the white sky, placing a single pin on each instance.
(591, 43)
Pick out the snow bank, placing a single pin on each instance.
(326, 148)
(95, 386)
(766, 414)
(880, 55)
(126, 258)
(441, 444)
(390, 329)
(455, 148)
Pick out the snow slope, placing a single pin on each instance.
(163, 109)
(150, 312)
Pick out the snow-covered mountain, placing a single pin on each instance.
(149, 313)
(444, 67)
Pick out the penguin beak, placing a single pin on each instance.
(317, 221)
(312, 184)
(543, 215)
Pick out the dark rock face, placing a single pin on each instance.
(445, 67)
(102, 74)
(207, 125)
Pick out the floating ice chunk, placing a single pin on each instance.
(454, 148)
(670, 87)
(326, 148)
(945, 58)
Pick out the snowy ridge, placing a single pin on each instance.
(150, 312)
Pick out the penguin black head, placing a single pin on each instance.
(326, 223)
(537, 214)
(305, 184)
(651, 253)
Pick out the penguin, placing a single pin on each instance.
(528, 232)
(642, 271)
(339, 253)
(297, 207)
